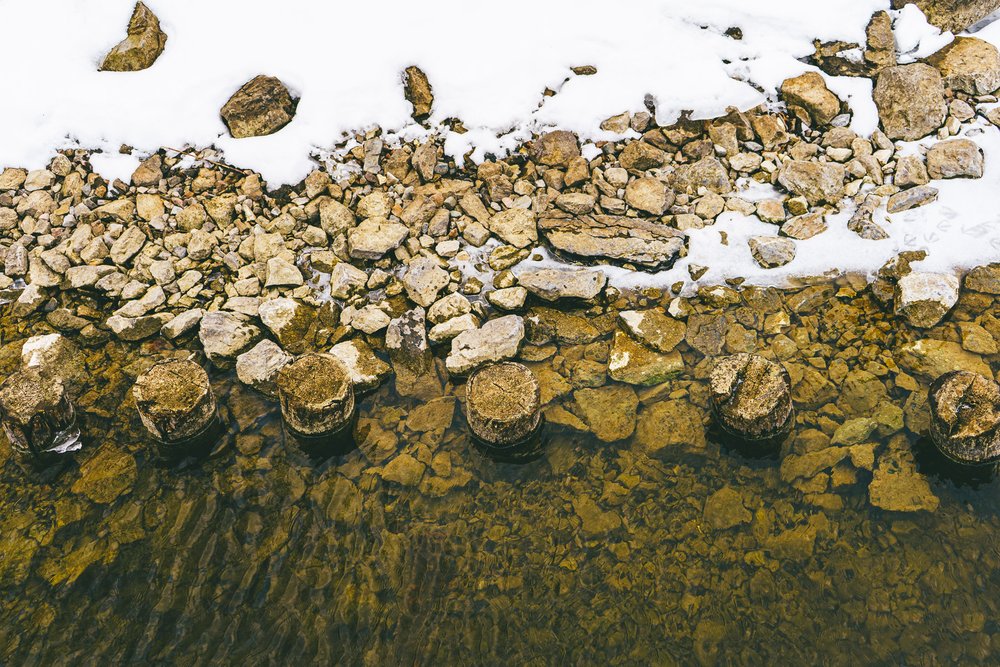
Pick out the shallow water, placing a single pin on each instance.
(597, 552)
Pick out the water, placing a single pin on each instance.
(596, 553)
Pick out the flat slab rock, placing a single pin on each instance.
(647, 244)
(553, 284)
(496, 340)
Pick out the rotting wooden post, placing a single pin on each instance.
(751, 399)
(38, 416)
(965, 418)
(503, 409)
(176, 405)
(317, 403)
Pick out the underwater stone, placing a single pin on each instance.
(965, 417)
(175, 400)
(751, 397)
(316, 394)
(503, 403)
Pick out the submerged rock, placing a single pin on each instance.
(965, 417)
(260, 107)
(608, 411)
(751, 397)
(896, 485)
(142, 45)
(653, 328)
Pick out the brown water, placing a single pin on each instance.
(596, 553)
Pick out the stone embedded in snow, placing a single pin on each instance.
(804, 226)
(645, 243)
(818, 182)
(952, 15)
(374, 237)
(910, 171)
(633, 363)
(771, 251)
(418, 92)
(912, 198)
(143, 44)
(653, 328)
(423, 280)
(365, 370)
(260, 107)
(650, 195)
(556, 149)
(925, 298)
(969, 65)
(282, 273)
(515, 226)
(809, 93)
(496, 340)
(553, 284)
(910, 101)
(259, 366)
(225, 335)
(346, 279)
(965, 417)
(955, 158)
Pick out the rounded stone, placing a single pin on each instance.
(751, 397)
(965, 417)
(175, 401)
(316, 394)
(503, 403)
(38, 416)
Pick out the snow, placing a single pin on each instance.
(488, 64)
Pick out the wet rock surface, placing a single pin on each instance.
(751, 397)
(965, 417)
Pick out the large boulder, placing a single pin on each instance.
(969, 65)
(910, 101)
(953, 15)
(808, 93)
(818, 182)
(261, 106)
(143, 43)
(496, 340)
(955, 158)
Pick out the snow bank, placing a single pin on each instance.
(488, 63)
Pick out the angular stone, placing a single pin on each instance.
(556, 149)
(771, 251)
(706, 173)
(374, 237)
(143, 44)
(638, 156)
(496, 340)
(808, 92)
(649, 195)
(137, 328)
(910, 101)
(259, 366)
(896, 485)
(260, 107)
(127, 245)
(653, 328)
(645, 243)
(686, 433)
(955, 158)
(225, 335)
(515, 226)
(924, 298)
(818, 182)
(912, 198)
(553, 284)
(365, 370)
(969, 65)
(930, 359)
(985, 279)
(633, 363)
(953, 15)
(724, 509)
(805, 226)
(418, 92)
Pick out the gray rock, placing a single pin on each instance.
(137, 328)
(912, 198)
(259, 367)
(225, 335)
(818, 182)
(515, 226)
(645, 243)
(374, 237)
(423, 280)
(127, 245)
(955, 158)
(364, 368)
(182, 323)
(924, 298)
